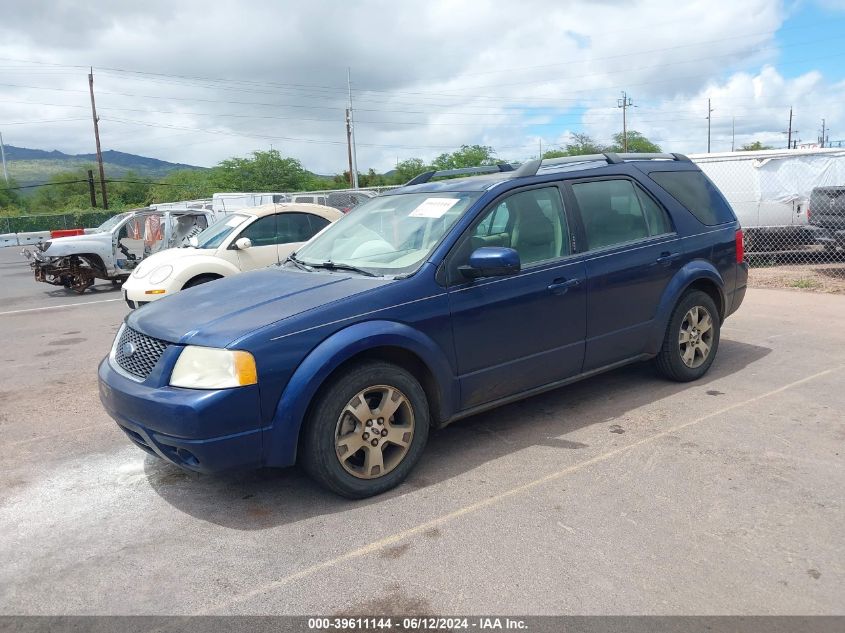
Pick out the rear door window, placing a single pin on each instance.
(695, 191)
(611, 212)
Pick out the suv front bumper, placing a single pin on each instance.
(201, 430)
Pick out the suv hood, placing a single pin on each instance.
(63, 245)
(217, 313)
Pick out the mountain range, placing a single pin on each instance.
(36, 166)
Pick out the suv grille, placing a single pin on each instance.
(138, 353)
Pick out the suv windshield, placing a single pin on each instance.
(388, 234)
(112, 222)
(216, 234)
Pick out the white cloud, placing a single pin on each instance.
(427, 77)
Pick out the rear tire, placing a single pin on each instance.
(366, 430)
(691, 340)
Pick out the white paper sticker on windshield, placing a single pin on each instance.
(433, 207)
(235, 220)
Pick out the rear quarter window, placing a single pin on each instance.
(695, 191)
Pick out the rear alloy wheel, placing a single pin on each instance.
(691, 339)
(366, 431)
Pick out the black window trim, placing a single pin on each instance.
(582, 235)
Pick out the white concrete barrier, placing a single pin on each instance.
(33, 237)
(9, 239)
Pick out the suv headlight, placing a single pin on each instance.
(160, 274)
(213, 368)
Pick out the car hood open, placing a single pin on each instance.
(216, 313)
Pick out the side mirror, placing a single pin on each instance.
(242, 243)
(491, 261)
(193, 241)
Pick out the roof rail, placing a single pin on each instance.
(464, 171)
(531, 167)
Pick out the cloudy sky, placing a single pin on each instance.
(187, 82)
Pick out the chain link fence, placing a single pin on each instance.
(791, 204)
(31, 223)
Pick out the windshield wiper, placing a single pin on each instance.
(330, 265)
(297, 262)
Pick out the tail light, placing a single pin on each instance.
(808, 213)
(740, 247)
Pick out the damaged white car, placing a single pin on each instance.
(113, 250)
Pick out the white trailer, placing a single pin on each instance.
(770, 191)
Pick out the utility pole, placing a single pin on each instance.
(349, 145)
(97, 139)
(91, 189)
(3, 156)
(541, 150)
(709, 113)
(733, 133)
(352, 130)
(789, 131)
(821, 140)
(624, 103)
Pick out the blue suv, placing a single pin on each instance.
(428, 304)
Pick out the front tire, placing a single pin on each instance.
(366, 430)
(691, 340)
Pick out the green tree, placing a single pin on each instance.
(409, 168)
(66, 190)
(264, 171)
(636, 143)
(129, 190)
(578, 145)
(754, 147)
(9, 196)
(184, 184)
(466, 156)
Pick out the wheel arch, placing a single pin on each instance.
(695, 275)
(386, 341)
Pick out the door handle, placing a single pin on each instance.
(560, 286)
(667, 258)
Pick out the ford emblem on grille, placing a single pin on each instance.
(128, 349)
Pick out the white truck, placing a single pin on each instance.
(770, 192)
(115, 248)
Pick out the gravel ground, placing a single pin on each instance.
(827, 277)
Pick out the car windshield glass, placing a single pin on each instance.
(112, 222)
(388, 234)
(216, 234)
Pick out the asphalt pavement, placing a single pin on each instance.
(623, 494)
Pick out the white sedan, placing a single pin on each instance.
(248, 239)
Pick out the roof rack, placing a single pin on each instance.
(531, 167)
(465, 171)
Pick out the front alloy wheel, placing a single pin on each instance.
(366, 429)
(374, 432)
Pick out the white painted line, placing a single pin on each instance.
(375, 546)
(65, 305)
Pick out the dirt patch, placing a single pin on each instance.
(827, 277)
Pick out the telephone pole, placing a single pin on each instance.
(733, 133)
(352, 130)
(709, 116)
(821, 140)
(624, 103)
(789, 131)
(3, 156)
(349, 145)
(97, 139)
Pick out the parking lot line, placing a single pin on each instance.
(507, 494)
(64, 305)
